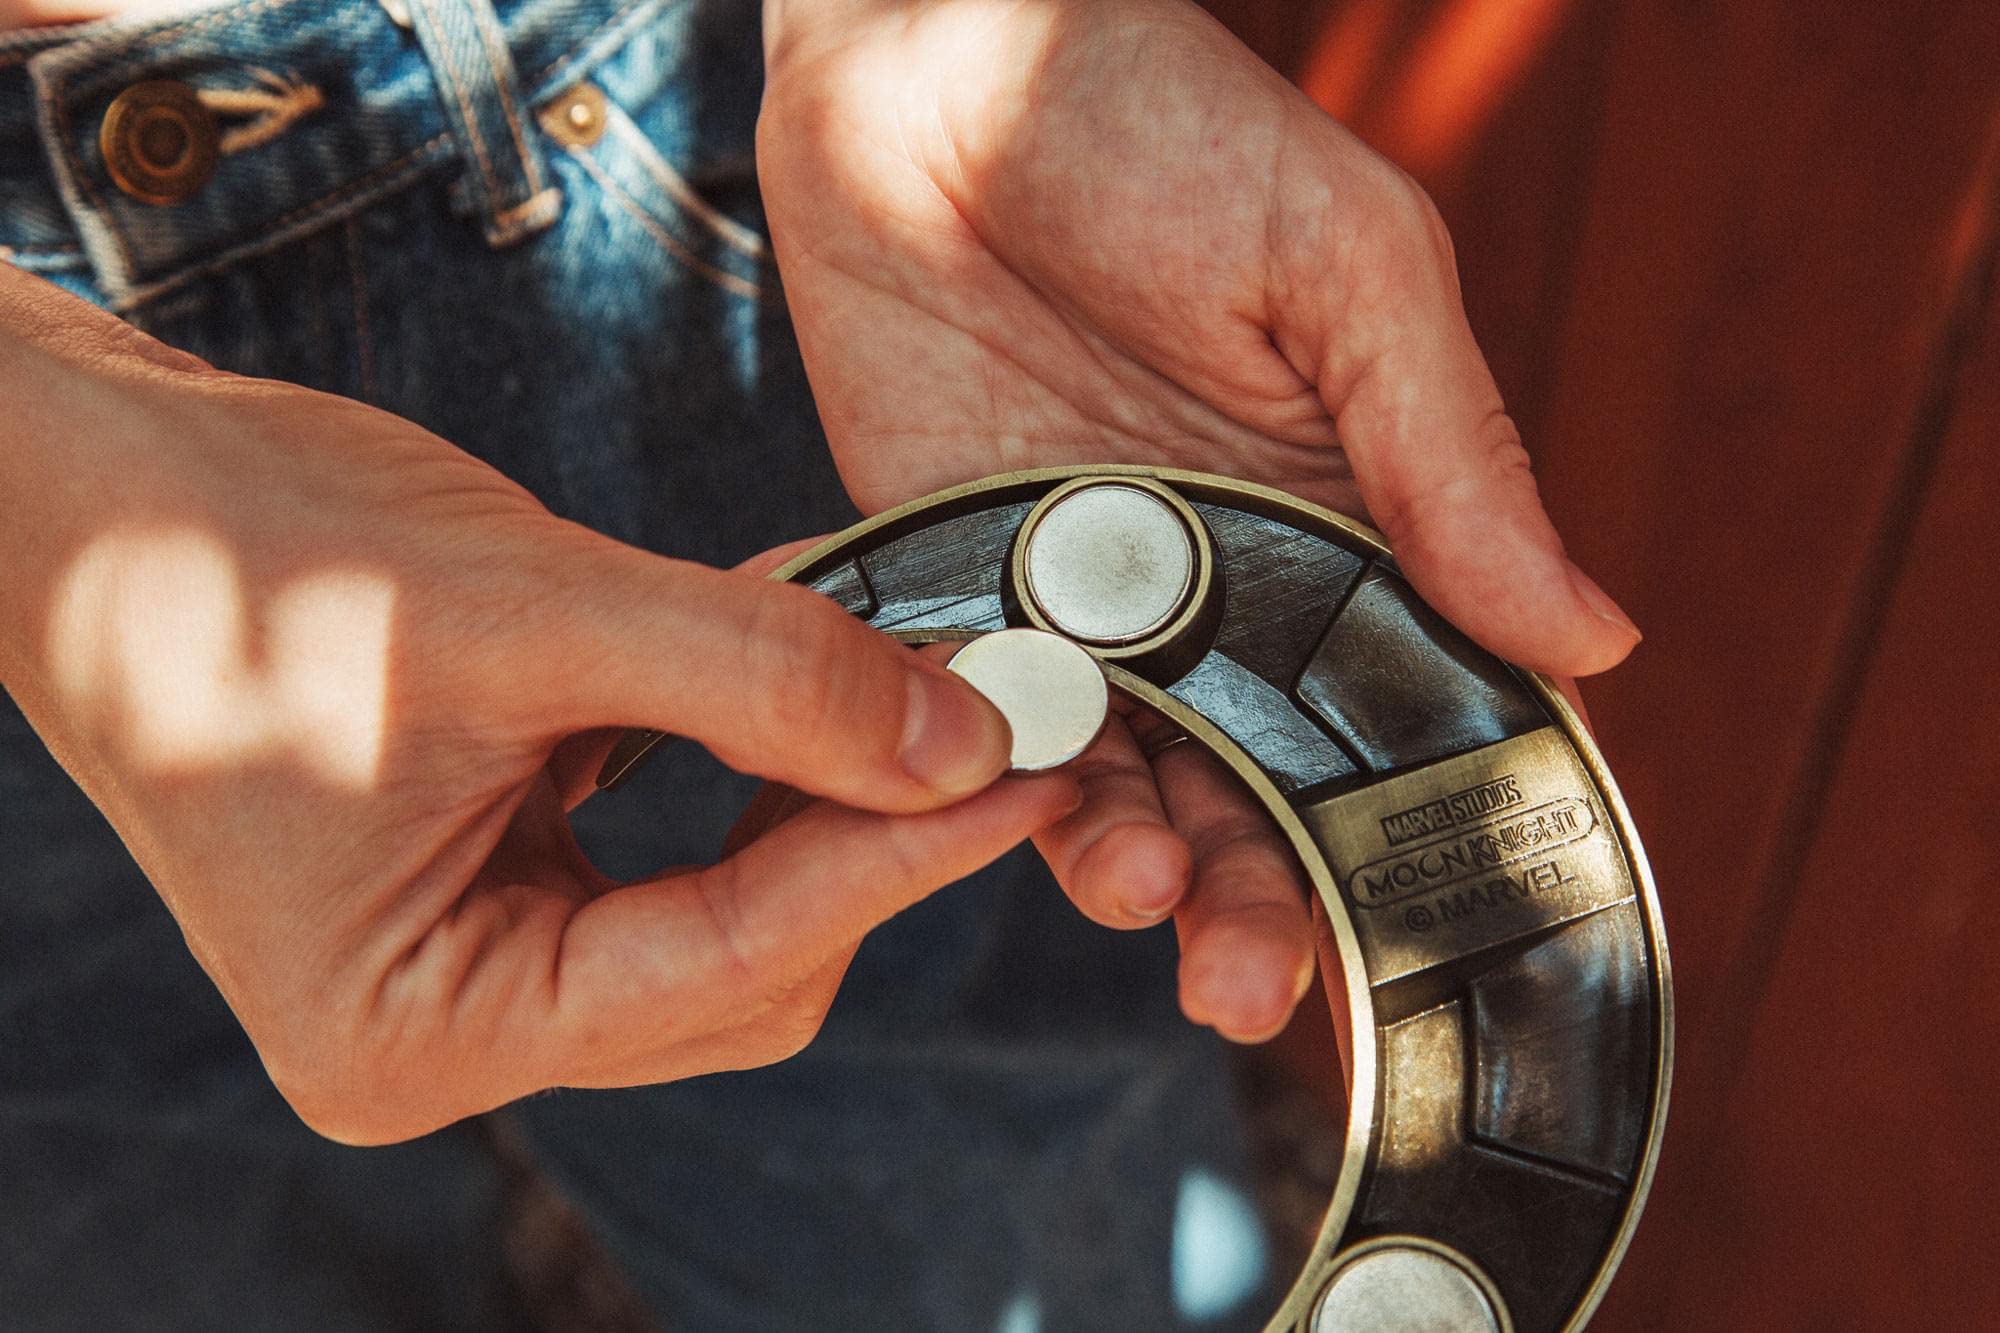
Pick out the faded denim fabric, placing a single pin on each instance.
(1006, 1124)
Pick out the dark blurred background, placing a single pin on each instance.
(1733, 267)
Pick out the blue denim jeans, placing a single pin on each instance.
(1005, 1123)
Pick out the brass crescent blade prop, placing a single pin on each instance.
(1493, 952)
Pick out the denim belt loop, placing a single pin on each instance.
(505, 175)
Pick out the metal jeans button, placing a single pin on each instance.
(578, 117)
(159, 141)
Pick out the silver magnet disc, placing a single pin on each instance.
(1403, 1289)
(1050, 691)
(1109, 564)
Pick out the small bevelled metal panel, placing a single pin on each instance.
(947, 576)
(1399, 686)
(1512, 957)
(1280, 588)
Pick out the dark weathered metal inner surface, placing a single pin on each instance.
(1515, 974)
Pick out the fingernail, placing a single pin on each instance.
(954, 742)
(1275, 1006)
(1259, 1007)
(1149, 896)
(1600, 601)
(1243, 999)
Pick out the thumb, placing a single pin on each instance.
(1442, 472)
(774, 679)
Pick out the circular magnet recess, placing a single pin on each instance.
(1050, 691)
(1109, 564)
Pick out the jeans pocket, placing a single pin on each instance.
(707, 220)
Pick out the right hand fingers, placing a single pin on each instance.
(1117, 857)
(1177, 832)
(774, 679)
(1245, 928)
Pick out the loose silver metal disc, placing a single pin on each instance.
(1403, 1289)
(1110, 564)
(1050, 691)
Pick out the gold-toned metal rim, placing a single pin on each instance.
(1585, 746)
(1296, 1310)
(1195, 599)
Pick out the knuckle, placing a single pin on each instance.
(1505, 461)
(1432, 504)
(1418, 223)
(1494, 455)
(802, 1032)
(791, 1026)
(351, 1088)
(905, 858)
(1408, 245)
(793, 1033)
(346, 1110)
(716, 889)
(799, 653)
(1241, 836)
(1395, 514)
(1430, 225)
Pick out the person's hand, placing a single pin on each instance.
(1030, 233)
(336, 683)
(44, 13)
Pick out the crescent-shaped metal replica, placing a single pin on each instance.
(1491, 944)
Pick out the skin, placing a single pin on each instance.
(41, 13)
(1011, 234)
(407, 930)
(1017, 233)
